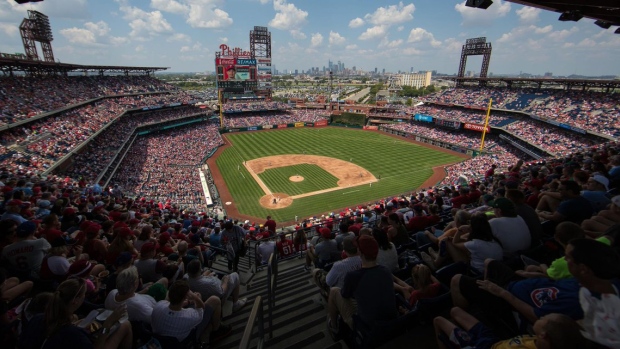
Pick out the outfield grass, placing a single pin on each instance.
(402, 166)
(315, 178)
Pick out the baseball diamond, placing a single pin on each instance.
(307, 171)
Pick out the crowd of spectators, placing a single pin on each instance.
(275, 118)
(242, 106)
(43, 142)
(595, 111)
(550, 138)
(24, 97)
(101, 150)
(462, 115)
(163, 166)
(460, 138)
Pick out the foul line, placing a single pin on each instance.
(349, 192)
(258, 180)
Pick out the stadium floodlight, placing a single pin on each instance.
(483, 4)
(572, 15)
(603, 24)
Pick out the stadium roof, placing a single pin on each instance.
(30, 66)
(603, 10)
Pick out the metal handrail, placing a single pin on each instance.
(255, 315)
(271, 289)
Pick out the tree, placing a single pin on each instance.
(409, 102)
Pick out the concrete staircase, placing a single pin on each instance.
(299, 316)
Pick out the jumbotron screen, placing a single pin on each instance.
(235, 69)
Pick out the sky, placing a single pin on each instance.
(424, 34)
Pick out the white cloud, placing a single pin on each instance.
(452, 45)
(264, 2)
(8, 29)
(390, 44)
(93, 34)
(100, 28)
(205, 14)
(297, 34)
(197, 47)
(351, 47)
(375, 32)
(316, 39)
(410, 51)
(336, 39)
(357, 22)
(400, 29)
(79, 36)
(139, 48)
(528, 14)
(587, 42)
(420, 34)
(476, 17)
(288, 16)
(543, 30)
(144, 25)
(171, 6)
(223, 40)
(392, 14)
(179, 37)
(561, 35)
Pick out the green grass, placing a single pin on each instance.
(315, 178)
(402, 166)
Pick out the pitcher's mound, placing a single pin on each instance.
(276, 200)
(296, 178)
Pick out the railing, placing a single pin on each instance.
(255, 315)
(272, 281)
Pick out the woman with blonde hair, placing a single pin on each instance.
(56, 329)
(425, 285)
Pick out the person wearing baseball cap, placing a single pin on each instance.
(508, 227)
(367, 292)
(596, 192)
(325, 251)
(13, 207)
(26, 253)
(149, 268)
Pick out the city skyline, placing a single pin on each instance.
(426, 35)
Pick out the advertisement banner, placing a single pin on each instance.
(252, 128)
(245, 61)
(282, 126)
(267, 127)
(566, 126)
(264, 76)
(174, 104)
(320, 123)
(577, 129)
(309, 124)
(476, 127)
(371, 127)
(262, 68)
(264, 84)
(225, 61)
(264, 60)
(299, 124)
(233, 130)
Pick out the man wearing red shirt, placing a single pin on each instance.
(285, 246)
(270, 224)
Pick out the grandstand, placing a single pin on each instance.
(109, 169)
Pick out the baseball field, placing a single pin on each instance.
(312, 171)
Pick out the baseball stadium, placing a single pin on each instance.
(137, 214)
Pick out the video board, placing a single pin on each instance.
(235, 68)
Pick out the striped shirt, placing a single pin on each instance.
(172, 323)
(335, 277)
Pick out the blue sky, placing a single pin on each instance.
(423, 34)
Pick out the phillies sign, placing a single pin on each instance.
(234, 52)
(476, 127)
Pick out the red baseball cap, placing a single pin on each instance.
(368, 246)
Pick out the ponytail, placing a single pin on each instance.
(57, 313)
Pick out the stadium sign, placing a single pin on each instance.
(476, 127)
(252, 128)
(234, 52)
(320, 123)
(267, 127)
(264, 60)
(246, 61)
(282, 126)
(299, 124)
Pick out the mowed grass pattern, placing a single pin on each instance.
(315, 178)
(402, 166)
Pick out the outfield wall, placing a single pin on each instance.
(321, 123)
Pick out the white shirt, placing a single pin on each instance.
(481, 250)
(139, 307)
(388, 258)
(179, 324)
(265, 249)
(512, 232)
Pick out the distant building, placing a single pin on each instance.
(548, 75)
(417, 80)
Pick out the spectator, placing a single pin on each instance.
(509, 228)
(25, 255)
(139, 306)
(336, 275)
